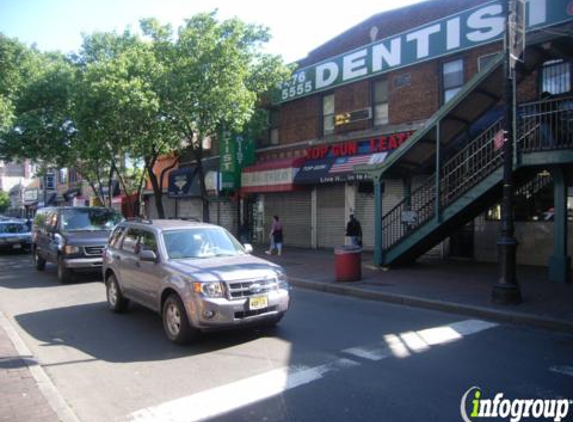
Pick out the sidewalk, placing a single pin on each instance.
(462, 287)
(22, 400)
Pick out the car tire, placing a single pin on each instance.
(115, 300)
(39, 262)
(64, 274)
(175, 321)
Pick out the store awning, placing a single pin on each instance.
(335, 169)
(271, 176)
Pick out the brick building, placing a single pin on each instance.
(354, 100)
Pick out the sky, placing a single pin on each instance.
(297, 26)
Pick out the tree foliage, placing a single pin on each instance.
(4, 201)
(122, 101)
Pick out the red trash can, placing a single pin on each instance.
(348, 263)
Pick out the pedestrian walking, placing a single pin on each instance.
(354, 231)
(276, 236)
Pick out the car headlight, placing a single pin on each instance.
(209, 289)
(283, 281)
(70, 249)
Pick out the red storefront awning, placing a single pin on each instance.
(271, 176)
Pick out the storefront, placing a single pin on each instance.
(268, 189)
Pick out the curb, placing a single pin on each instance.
(47, 388)
(517, 318)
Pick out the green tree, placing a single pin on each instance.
(118, 109)
(215, 75)
(15, 59)
(4, 201)
(42, 129)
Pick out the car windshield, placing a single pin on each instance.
(12, 228)
(201, 243)
(90, 219)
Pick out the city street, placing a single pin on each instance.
(332, 358)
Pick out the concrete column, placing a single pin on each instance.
(378, 248)
(560, 262)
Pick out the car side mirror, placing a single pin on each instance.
(248, 248)
(147, 256)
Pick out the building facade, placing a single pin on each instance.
(360, 96)
(366, 94)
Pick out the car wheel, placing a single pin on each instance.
(115, 300)
(64, 274)
(39, 262)
(175, 321)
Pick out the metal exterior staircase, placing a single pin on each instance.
(470, 180)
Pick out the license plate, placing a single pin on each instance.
(258, 302)
(17, 246)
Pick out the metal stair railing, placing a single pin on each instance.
(542, 125)
(462, 171)
(549, 122)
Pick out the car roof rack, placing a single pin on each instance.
(140, 220)
(195, 219)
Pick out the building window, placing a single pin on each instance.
(381, 102)
(274, 127)
(556, 77)
(452, 78)
(484, 61)
(328, 114)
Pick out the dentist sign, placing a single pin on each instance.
(465, 30)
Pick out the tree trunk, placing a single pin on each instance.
(157, 191)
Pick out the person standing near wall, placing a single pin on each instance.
(354, 231)
(276, 236)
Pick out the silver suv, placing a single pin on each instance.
(196, 275)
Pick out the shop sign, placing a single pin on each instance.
(30, 195)
(237, 152)
(373, 145)
(273, 177)
(468, 29)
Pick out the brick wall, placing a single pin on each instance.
(413, 92)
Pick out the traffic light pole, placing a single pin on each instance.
(506, 290)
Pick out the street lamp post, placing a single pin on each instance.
(506, 290)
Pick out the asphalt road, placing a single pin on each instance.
(332, 358)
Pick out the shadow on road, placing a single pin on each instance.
(17, 272)
(15, 362)
(131, 337)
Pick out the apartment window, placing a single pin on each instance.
(452, 79)
(484, 61)
(556, 77)
(328, 114)
(381, 102)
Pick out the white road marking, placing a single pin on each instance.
(565, 370)
(219, 400)
(404, 344)
(229, 397)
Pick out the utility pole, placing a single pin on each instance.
(506, 291)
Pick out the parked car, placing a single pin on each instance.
(14, 235)
(197, 276)
(73, 238)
